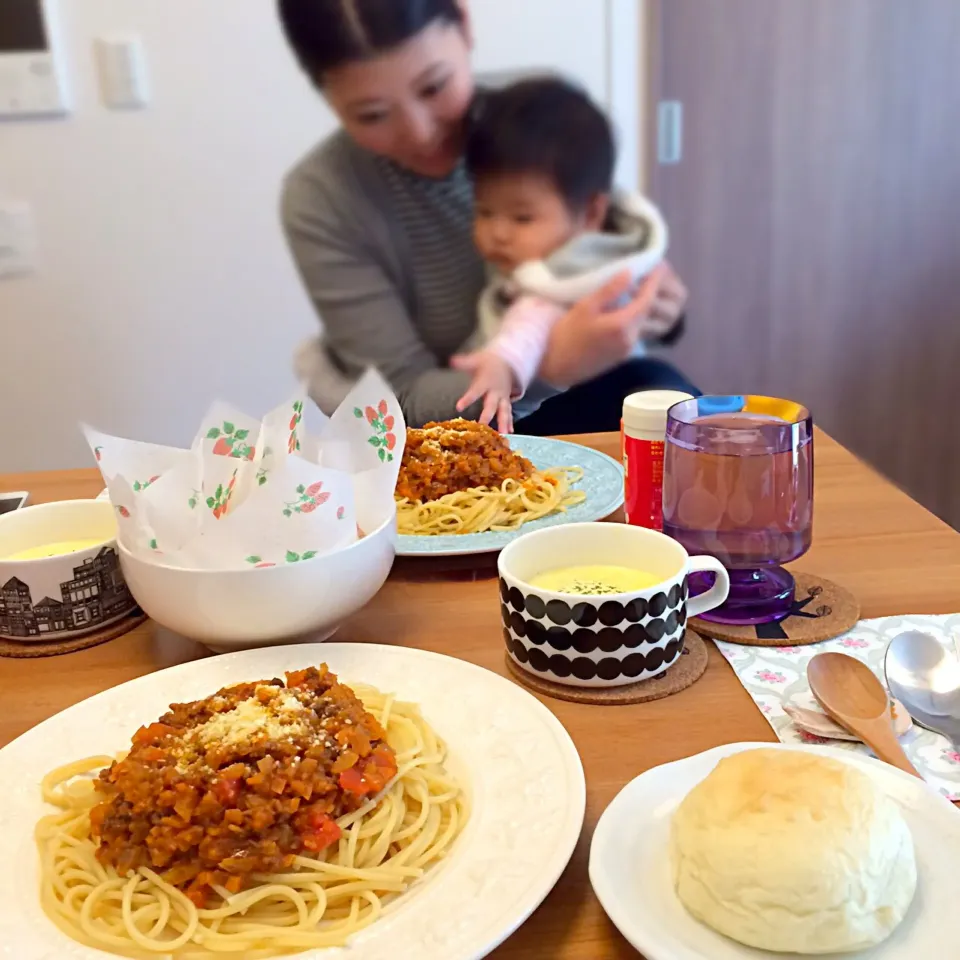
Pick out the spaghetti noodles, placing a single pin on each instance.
(317, 899)
(461, 477)
(479, 509)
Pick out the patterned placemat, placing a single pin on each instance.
(821, 610)
(774, 676)
(52, 648)
(689, 668)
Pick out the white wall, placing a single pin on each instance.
(163, 281)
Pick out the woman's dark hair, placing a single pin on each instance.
(327, 33)
(547, 126)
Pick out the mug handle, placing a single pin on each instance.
(717, 594)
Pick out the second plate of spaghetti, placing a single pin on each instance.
(464, 489)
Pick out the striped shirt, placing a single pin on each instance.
(437, 218)
(387, 257)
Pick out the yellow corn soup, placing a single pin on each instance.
(594, 580)
(55, 549)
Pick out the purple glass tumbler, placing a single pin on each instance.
(738, 486)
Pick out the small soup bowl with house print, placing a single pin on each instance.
(600, 604)
(60, 574)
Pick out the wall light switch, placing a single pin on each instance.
(122, 64)
(18, 239)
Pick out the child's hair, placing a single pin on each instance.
(547, 126)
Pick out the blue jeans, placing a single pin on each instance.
(596, 406)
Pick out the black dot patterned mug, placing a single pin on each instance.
(600, 640)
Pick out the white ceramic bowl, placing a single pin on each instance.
(67, 595)
(600, 640)
(237, 609)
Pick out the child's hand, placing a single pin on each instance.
(493, 381)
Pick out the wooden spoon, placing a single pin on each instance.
(849, 692)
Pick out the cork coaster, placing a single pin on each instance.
(689, 668)
(52, 648)
(821, 611)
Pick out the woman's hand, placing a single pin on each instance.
(668, 305)
(589, 340)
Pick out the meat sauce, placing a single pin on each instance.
(456, 455)
(241, 782)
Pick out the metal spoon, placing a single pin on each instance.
(849, 692)
(925, 678)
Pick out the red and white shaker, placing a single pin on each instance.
(642, 432)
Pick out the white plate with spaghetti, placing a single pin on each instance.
(476, 826)
(595, 491)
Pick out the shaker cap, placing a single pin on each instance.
(645, 413)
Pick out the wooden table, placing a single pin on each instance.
(893, 554)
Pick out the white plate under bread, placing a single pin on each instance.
(631, 872)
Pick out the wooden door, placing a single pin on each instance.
(815, 215)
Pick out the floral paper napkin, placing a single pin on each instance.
(258, 493)
(774, 676)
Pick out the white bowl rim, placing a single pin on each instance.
(591, 597)
(246, 571)
(59, 503)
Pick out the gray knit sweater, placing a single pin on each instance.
(387, 258)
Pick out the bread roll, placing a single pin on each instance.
(787, 851)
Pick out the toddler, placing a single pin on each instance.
(541, 156)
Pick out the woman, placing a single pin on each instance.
(379, 220)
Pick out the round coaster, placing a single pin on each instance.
(689, 668)
(52, 648)
(822, 610)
